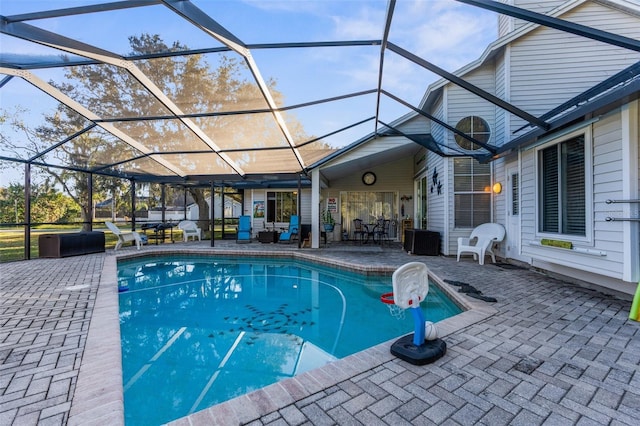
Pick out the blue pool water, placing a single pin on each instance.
(197, 331)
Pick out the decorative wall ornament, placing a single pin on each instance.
(436, 182)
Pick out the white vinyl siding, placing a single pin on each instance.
(605, 179)
(533, 5)
(462, 103)
(545, 73)
(501, 92)
(436, 204)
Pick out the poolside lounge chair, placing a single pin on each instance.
(486, 235)
(190, 229)
(124, 237)
(243, 234)
(292, 232)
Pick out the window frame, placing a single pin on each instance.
(486, 191)
(459, 140)
(588, 187)
(276, 208)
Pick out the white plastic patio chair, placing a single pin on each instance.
(124, 237)
(190, 229)
(485, 236)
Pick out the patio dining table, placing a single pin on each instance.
(159, 230)
(369, 231)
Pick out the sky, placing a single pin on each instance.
(445, 32)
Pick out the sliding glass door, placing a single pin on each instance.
(368, 206)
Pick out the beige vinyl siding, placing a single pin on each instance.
(364, 150)
(393, 176)
(576, 63)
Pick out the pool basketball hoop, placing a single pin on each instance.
(410, 287)
(396, 311)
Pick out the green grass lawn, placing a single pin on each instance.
(12, 239)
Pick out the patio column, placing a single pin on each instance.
(89, 202)
(27, 211)
(162, 203)
(213, 215)
(315, 208)
(299, 210)
(133, 205)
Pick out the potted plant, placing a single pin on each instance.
(328, 221)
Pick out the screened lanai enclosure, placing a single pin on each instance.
(161, 110)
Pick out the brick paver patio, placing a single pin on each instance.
(548, 352)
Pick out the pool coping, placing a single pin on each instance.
(99, 394)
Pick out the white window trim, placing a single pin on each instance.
(588, 239)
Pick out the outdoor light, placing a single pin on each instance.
(497, 188)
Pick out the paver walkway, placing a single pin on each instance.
(552, 353)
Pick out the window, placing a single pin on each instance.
(472, 192)
(281, 205)
(515, 197)
(475, 127)
(562, 188)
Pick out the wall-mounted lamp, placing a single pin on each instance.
(497, 188)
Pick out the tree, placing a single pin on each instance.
(112, 92)
(47, 205)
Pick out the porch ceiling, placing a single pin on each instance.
(348, 165)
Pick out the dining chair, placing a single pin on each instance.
(359, 230)
(382, 230)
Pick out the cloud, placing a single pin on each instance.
(366, 23)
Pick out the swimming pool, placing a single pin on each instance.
(197, 331)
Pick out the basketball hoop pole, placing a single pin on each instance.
(418, 325)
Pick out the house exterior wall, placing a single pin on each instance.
(536, 72)
(600, 256)
(460, 104)
(437, 214)
(436, 204)
(260, 195)
(507, 23)
(549, 67)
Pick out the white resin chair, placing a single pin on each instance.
(485, 236)
(124, 237)
(190, 229)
